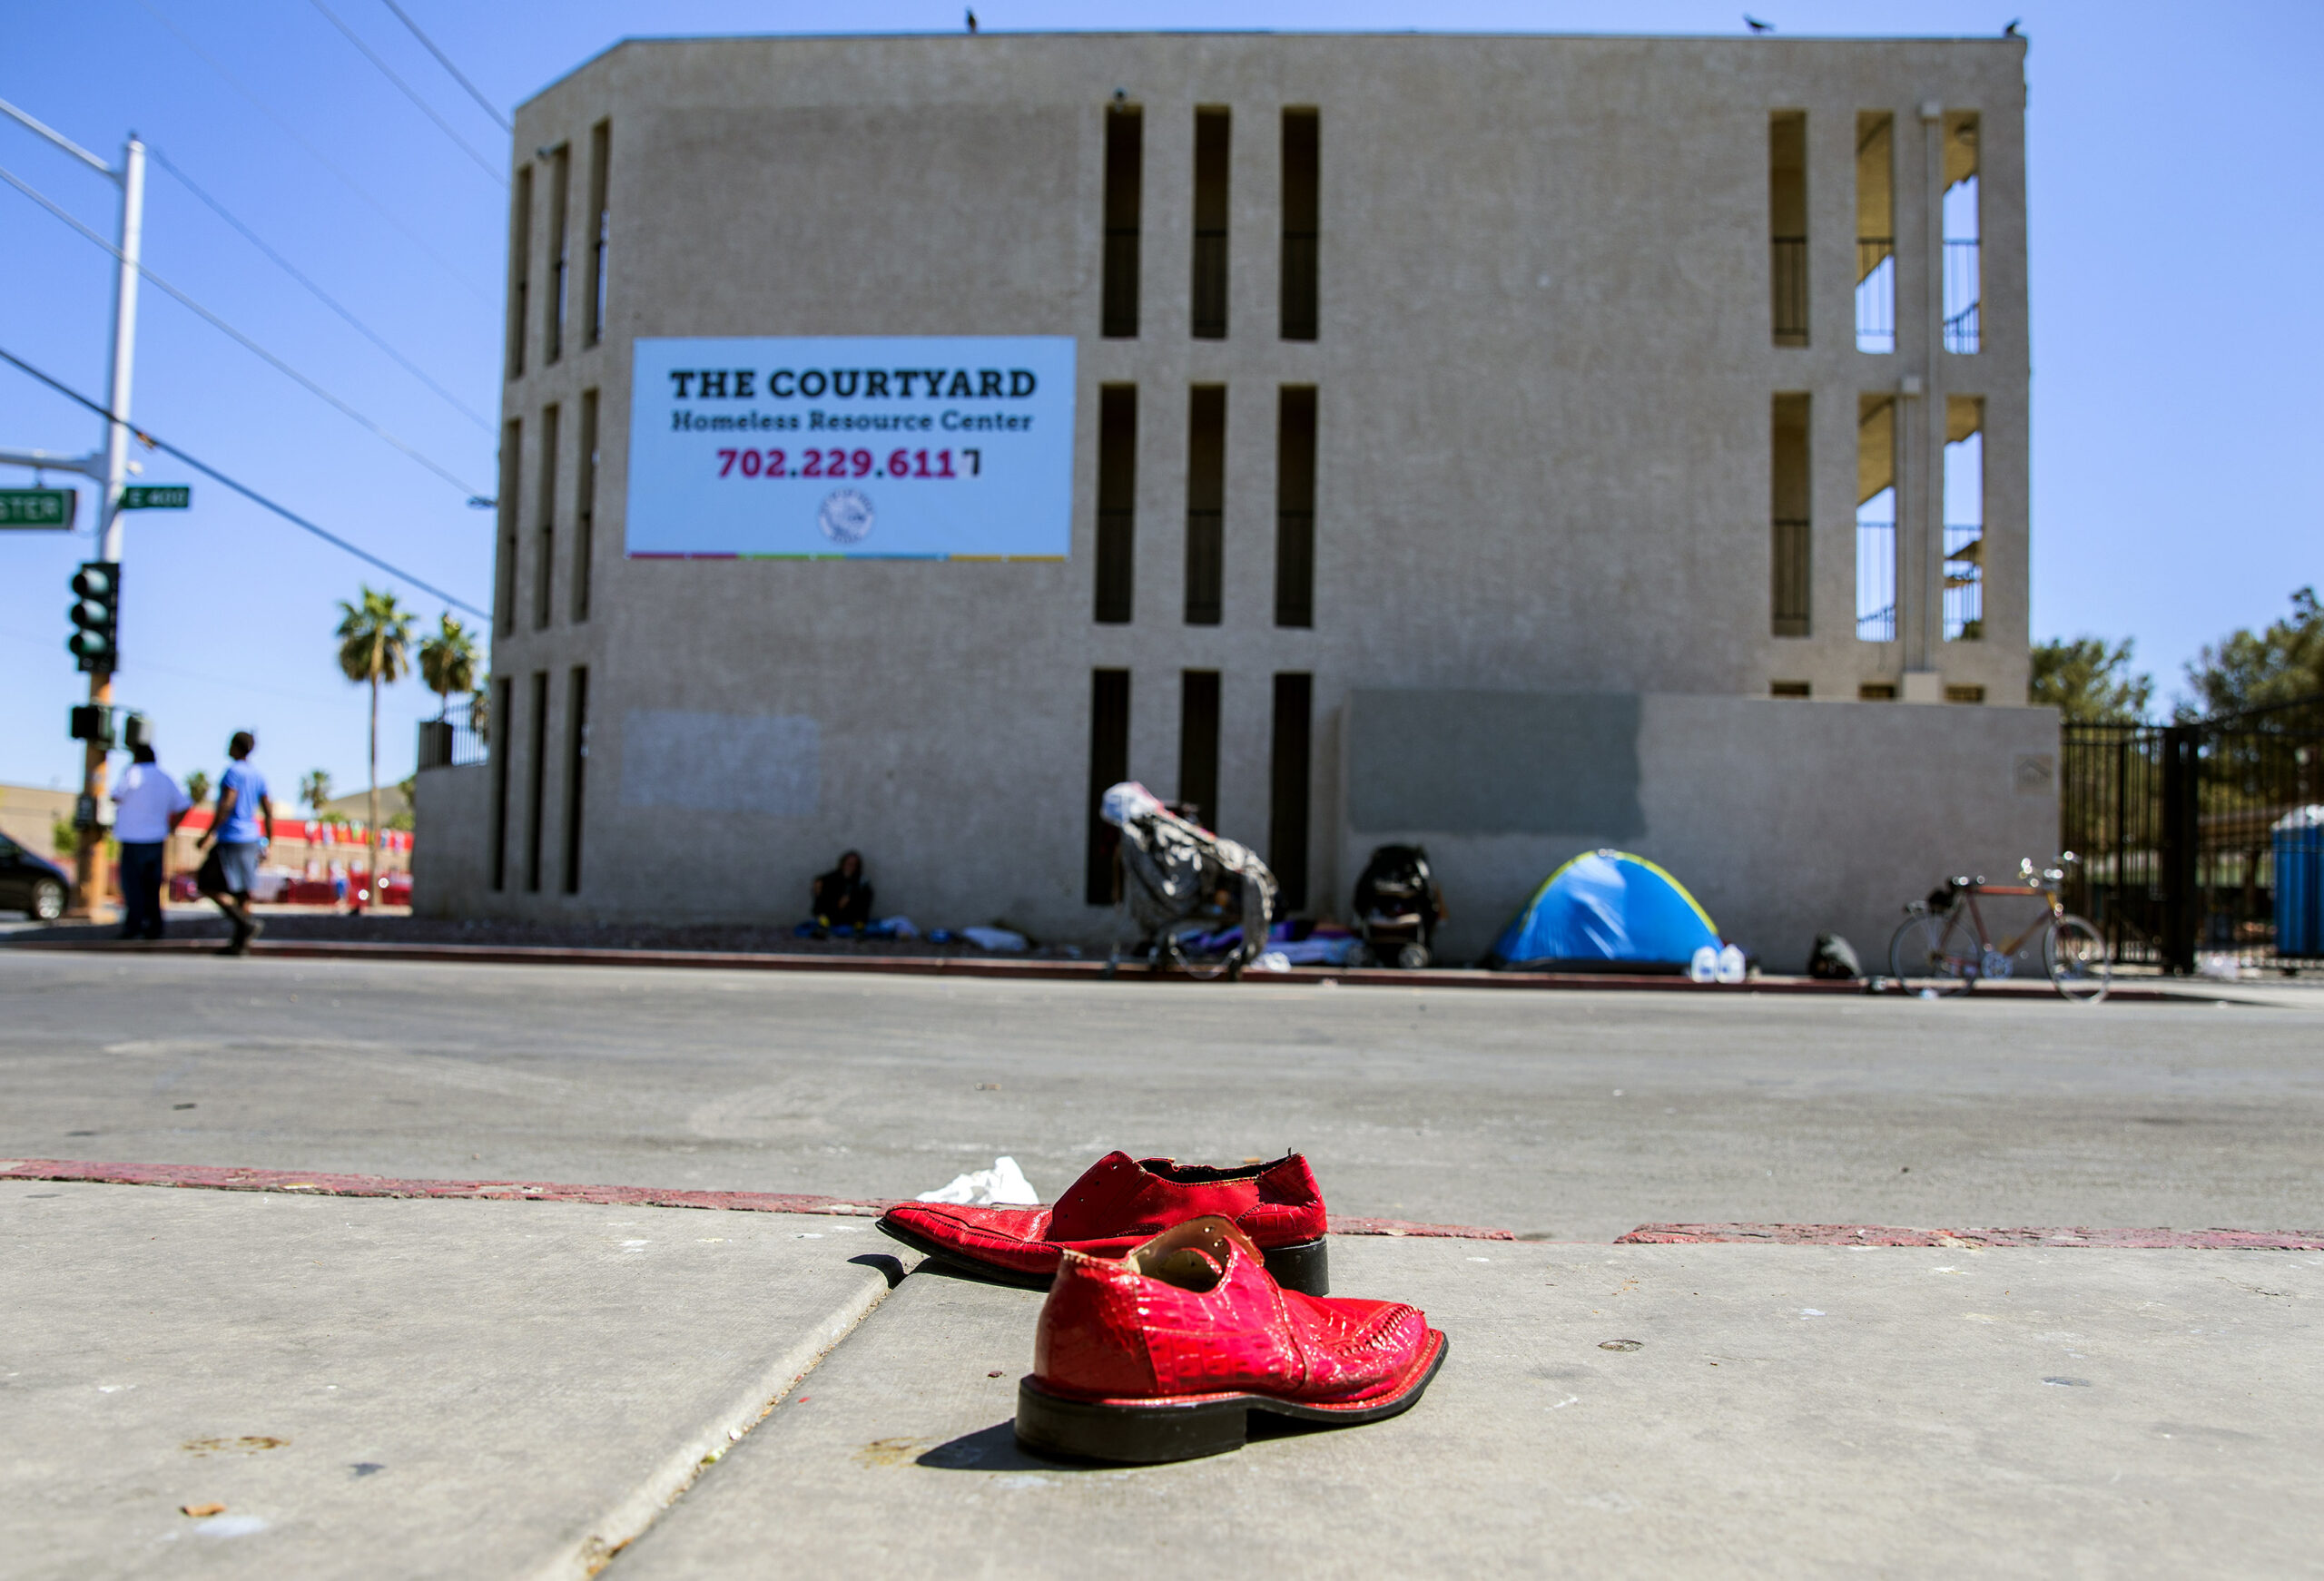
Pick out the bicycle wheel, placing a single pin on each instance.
(2076, 960)
(1933, 952)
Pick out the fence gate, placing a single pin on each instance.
(2201, 837)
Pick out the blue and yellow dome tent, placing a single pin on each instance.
(1607, 907)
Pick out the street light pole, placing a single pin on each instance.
(89, 875)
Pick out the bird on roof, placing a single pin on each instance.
(1756, 25)
(973, 19)
(2011, 31)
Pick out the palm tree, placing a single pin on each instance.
(314, 789)
(447, 661)
(374, 646)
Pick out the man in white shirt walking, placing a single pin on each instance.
(148, 807)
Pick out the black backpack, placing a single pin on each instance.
(1833, 958)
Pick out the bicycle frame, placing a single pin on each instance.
(1965, 900)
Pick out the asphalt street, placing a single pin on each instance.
(1559, 1115)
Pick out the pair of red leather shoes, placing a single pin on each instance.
(1181, 1300)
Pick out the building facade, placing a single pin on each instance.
(1459, 424)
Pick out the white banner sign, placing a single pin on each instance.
(924, 448)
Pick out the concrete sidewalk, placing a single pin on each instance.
(384, 1387)
(395, 1388)
(1787, 1410)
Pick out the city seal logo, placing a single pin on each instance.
(845, 516)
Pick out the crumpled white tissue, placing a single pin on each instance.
(1003, 1185)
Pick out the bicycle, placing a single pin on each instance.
(1943, 947)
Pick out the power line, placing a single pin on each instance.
(320, 294)
(245, 341)
(320, 157)
(446, 62)
(409, 93)
(243, 489)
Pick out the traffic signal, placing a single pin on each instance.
(136, 731)
(96, 616)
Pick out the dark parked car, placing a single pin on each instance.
(30, 884)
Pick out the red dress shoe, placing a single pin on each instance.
(1122, 1200)
(1163, 1354)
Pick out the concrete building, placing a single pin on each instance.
(1518, 444)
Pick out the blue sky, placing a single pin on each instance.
(2175, 402)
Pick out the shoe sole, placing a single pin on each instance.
(1305, 1266)
(1148, 1432)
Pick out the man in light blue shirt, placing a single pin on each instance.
(148, 807)
(241, 827)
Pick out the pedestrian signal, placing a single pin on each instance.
(92, 721)
(96, 616)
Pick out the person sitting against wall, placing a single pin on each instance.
(842, 896)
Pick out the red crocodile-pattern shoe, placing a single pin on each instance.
(1121, 1202)
(1163, 1353)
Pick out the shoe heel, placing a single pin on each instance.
(1141, 1435)
(1305, 1267)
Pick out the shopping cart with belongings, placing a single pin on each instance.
(1184, 885)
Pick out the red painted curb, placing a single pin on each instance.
(1888, 1236)
(985, 967)
(209, 1177)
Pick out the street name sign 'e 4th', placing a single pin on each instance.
(156, 496)
(38, 507)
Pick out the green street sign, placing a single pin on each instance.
(156, 496)
(37, 507)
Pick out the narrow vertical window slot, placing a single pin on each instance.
(1963, 281)
(536, 770)
(1876, 519)
(576, 759)
(1117, 501)
(601, 139)
(1108, 767)
(1876, 232)
(1788, 223)
(560, 188)
(585, 508)
(544, 556)
(1964, 518)
(1198, 745)
(512, 450)
(1205, 503)
(1295, 505)
(1287, 820)
(1789, 511)
(501, 742)
(1302, 220)
(520, 268)
(1125, 204)
(1212, 136)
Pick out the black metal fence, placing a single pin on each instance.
(2199, 839)
(462, 736)
(1963, 293)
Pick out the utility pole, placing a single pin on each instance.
(109, 466)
